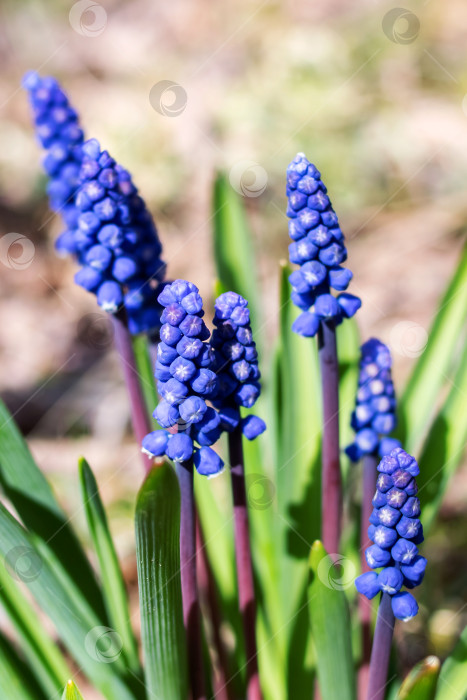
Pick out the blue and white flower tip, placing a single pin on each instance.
(59, 133)
(374, 417)
(236, 362)
(186, 381)
(395, 530)
(318, 248)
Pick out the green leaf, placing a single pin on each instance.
(115, 596)
(452, 683)
(158, 559)
(233, 247)
(298, 483)
(142, 350)
(421, 682)
(29, 492)
(95, 647)
(420, 396)
(330, 627)
(444, 447)
(16, 680)
(71, 692)
(39, 649)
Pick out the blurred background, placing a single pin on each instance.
(375, 95)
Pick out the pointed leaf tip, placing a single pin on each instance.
(71, 692)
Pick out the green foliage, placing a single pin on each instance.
(112, 580)
(158, 559)
(421, 682)
(452, 683)
(330, 623)
(304, 627)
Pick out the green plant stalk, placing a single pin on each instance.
(331, 484)
(190, 598)
(246, 587)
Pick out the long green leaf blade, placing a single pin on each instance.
(29, 492)
(452, 683)
(142, 350)
(233, 247)
(420, 396)
(444, 447)
(95, 647)
(298, 483)
(39, 649)
(421, 682)
(158, 559)
(330, 626)
(115, 596)
(16, 680)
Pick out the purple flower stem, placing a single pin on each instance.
(190, 599)
(331, 484)
(381, 651)
(370, 462)
(139, 415)
(246, 589)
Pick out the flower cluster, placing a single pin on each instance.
(186, 381)
(109, 229)
(59, 133)
(236, 364)
(318, 247)
(115, 240)
(396, 530)
(375, 412)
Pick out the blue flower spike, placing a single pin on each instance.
(396, 531)
(374, 417)
(109, 229)
(236, 363)
(59, 133)
(186, 381)
(318, 248)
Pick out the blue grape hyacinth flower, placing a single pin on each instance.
(186, 381)
(318, 248)
(396, 530)
(59, 133)
(109, 229)
(236, 363)
(115, 241)
(374, 417)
